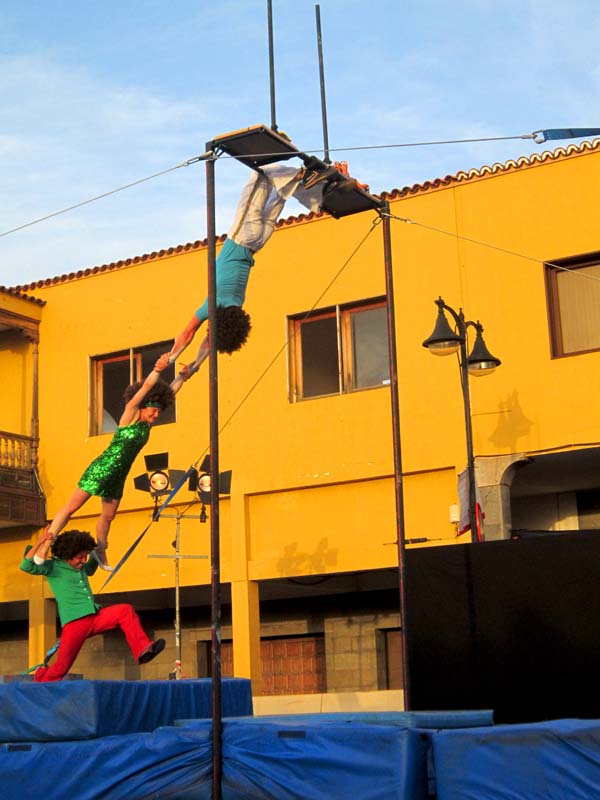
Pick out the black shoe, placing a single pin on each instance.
(314, 176)
(153, 649)
(312, 162)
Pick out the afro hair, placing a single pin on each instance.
(68, 544)
(233, 328)
(160, 393)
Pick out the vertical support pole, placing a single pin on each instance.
(326, 157)
(215, 552)
(398, 484)
(271, 64)
(177, 599)
(464, 379)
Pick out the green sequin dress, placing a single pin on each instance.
(105, 476)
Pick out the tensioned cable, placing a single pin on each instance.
(532, 136)
(535, 136)
(539, 137)
(575, 271)
(100, 196)
(242, 402)
(302, 319)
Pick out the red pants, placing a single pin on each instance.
(74, 634)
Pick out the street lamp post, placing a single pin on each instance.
(445, 341)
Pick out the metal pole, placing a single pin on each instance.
(398, 485)
(177, 605)
(464, 378)
(271, 64)
(463, 326)
(215, 554)
(326, 158)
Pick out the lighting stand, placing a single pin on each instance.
(178, 516)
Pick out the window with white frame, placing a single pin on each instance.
(339, 350)
(573, 290)
(112, 374)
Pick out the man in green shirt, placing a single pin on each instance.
(80, 616)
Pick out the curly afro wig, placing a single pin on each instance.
(160, 393)
(68, 544)
(233, 328)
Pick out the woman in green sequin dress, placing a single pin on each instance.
(105, 476)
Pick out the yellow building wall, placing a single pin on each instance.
(316, 476)
(15, 407)
(16, 361)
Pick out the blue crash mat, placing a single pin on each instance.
(435, 720)
(169, 763)
(320, 761)
(558, 760)
(83, 709)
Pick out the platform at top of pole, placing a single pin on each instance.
(341, 202)
(255, 146)
(260, 145)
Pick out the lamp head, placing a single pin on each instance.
(481, 361)
(443, 341)
(159, 481)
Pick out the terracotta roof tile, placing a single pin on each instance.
(15, 292)
(495, 169)
(394, 194)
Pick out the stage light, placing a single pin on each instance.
(158, 478)
(159, 481)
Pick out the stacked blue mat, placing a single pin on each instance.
(135, 740)
(114, 740)
(371, 756)
(117, 740)
(556, 760)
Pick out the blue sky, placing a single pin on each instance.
(96, 94)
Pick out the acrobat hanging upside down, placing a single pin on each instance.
(260, 205)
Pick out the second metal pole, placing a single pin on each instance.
(215, 551)
(177, 599)
(271, 64)
(464, 378)
(326, 157)
(398, 483)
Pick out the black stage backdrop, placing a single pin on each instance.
(512, 626)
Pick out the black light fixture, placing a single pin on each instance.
(158, 478)
(481, 361)
(200, 483)
(445, 341)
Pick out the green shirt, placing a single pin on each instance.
(70, 586)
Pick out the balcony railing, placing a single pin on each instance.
(22, 501)
(16, 451)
